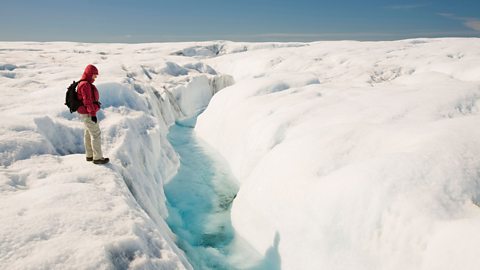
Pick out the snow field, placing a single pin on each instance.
(348, 155)
(59, 211)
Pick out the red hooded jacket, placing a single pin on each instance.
(84, 92)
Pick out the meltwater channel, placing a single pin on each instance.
(199, 198)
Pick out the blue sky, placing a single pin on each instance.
(248, 20)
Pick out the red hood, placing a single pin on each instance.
(90, 70)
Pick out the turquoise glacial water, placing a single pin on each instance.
(199, 198)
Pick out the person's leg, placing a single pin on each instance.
(95, 135)
(88, 143)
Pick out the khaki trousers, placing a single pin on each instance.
(92, 138)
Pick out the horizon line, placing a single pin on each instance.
(263, 37)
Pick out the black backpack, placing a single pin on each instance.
(71, 98)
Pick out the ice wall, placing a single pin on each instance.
(146, 157)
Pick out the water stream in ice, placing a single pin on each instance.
(199, 198)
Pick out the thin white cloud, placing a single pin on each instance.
(406, 7)
(472, 23)
(448, 15)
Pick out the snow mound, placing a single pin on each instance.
(174, 69)
(118, 95)
(201, 51)
(201, 68)
(354, 155)
(8, 67)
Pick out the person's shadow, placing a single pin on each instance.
(272, 260)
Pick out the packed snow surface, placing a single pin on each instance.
(347, 155)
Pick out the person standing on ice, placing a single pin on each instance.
(88, 94)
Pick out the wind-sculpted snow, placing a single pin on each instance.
(354, 155)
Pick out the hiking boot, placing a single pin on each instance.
(101, 161)
(89, 158)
